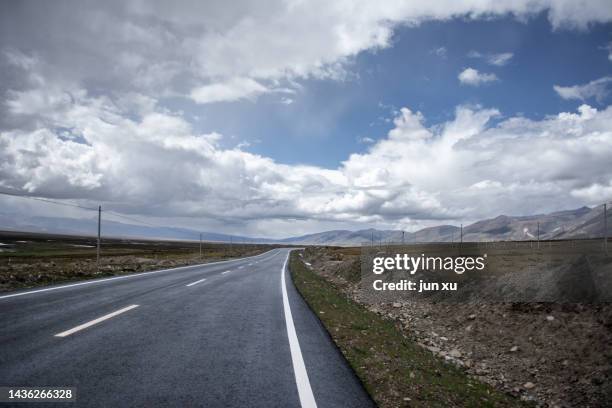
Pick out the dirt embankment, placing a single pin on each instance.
(558, 355)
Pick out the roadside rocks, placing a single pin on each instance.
(551, 354)
(528, 385)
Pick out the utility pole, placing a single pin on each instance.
(606, 228)
(200, 245)
(538, 235)
(402, 237)
(98, 246)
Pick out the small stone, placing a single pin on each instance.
(397, 304)
(528, 385)
(433, 349)
(411, 375)
(455, 353)
(514, 349)
(550, 318)
(472, 317)
(407, 399)
(468, 328)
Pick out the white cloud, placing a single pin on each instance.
(366, 140)
(598, 89)
(228, 91)
(157, 165)
(161, 50)
(609, 49)
(499, 60)
(440, 52)
(471, 76)
(82, 115)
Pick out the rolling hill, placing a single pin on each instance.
(583, 222)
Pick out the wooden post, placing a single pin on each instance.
(98, 245)
(606, 228)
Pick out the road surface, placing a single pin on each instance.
(229, 334)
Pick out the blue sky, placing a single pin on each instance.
(327, 119)
(281, 118)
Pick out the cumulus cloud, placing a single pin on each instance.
(499, 60)
(157, 165)
(471, 76)
(598, 89)
(171, 50)
(84, 114)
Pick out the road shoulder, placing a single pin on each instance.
(394, 370)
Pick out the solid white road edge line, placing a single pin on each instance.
(95, 321)
(307, 399)
(127, 276)
(196, 282)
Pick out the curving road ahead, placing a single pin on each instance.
(229, 334)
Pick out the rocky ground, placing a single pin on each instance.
(32, 272)
(557, 355)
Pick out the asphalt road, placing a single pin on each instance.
(216, 335)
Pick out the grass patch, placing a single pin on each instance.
(394, 369)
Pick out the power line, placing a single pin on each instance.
(71, 204)
(46, 200)
(132, 219)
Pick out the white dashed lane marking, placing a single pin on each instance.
(95, 321)
(196, 282)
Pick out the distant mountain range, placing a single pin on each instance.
(582, 222)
